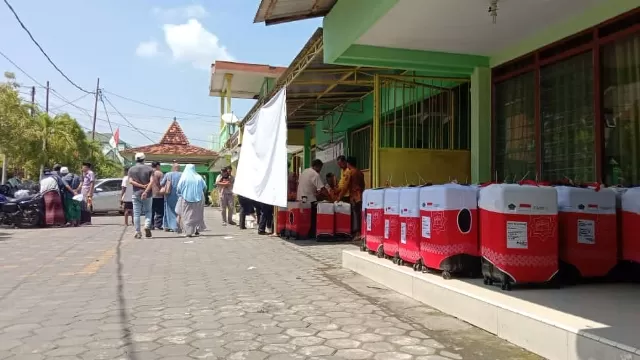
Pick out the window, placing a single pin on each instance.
(515, 135)
(621, 111)
(111, 185)
(360, 147)
(567, 119)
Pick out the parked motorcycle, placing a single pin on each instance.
(26, 212)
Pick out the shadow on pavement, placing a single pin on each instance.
(314, 242)
(122, 302)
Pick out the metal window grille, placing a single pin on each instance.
(567, 119)
(360, 147)
(515, 134)
(621, 110)
(423, 113)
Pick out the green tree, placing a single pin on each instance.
(36, 140)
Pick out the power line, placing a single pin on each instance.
(70, 102)
(125, 119)
(42, 50)
(104, 106)
(86, 112)
(159, 107)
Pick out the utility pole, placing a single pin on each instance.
(95, 111)
(33, 101)
(47, 99)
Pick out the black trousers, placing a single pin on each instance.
(356, 218)
(314, 216)
(266, 217)
(246, 208)
(157, 212)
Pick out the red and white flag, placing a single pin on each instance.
(115, 138)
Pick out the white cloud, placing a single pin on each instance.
(191, 42)
(147, 49)
(179, 13)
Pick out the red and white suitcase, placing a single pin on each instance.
(449, 222)
(518, 233)
(282, 218)
(299, 222)
(343, 219)
(374, 221)
(391, 222)
(587, 229)
(631, 225)
(363, 221)
(325, 220)
(409, 246)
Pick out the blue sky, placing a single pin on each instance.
(158, 52)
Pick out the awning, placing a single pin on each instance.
(281, 11)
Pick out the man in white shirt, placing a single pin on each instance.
(310, 186)
(310, 183)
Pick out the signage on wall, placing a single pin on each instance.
(331, 152)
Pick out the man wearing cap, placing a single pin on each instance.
(142, 179)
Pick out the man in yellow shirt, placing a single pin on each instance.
(343, 184)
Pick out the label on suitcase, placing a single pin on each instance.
(403, 232)
(517, 235)
(386, 228)
(368, 221)
(426, 227)
(586, 232)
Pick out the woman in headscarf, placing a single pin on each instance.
(170, 185)
(191, 191)
(53, 210)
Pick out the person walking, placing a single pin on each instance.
(157, 207)
(127, 197)
(224, 182)
(191, 203)
(142, 180)
(310, 187)
(86, 189)
(170, 185)
(71, 206)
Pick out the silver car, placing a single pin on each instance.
(107, 195)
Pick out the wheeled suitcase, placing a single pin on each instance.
(630, 234)
(449, 222)
(374, 221)
(518, 233)
(587, 231)
(409, 245)
(342, 219)
(299, 221)
(325, 220)
(391, 223)
(281, 220)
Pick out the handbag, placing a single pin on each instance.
(166, 188)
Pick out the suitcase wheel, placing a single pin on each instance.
(446, 275)
(380, 252)
(506, 286)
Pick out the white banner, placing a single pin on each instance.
(262, 167)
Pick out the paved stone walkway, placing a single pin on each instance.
(96, 293)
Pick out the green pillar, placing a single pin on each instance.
(481, 125)
(307, 147)
(211, 180)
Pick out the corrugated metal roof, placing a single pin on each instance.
(281, 11)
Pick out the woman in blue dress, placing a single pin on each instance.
(170, 181)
